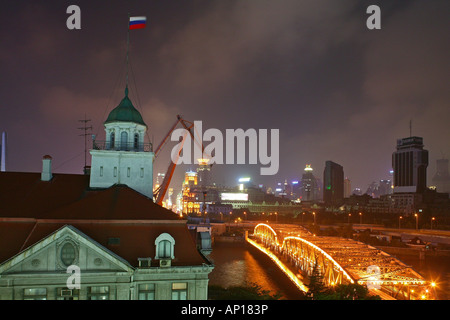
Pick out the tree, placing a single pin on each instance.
(316, 286)
(352, 291)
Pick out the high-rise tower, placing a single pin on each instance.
(410, 163)
(333, 184)
(309, 185)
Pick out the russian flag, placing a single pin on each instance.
(137, 22)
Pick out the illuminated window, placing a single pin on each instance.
(179, 291)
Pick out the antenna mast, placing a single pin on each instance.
(85, 128)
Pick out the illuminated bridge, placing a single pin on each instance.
(340, 261)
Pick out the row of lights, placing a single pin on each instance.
(416, 215)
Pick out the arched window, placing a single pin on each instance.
(165, 244)
(136, 141)
(124, 140)
(112, 140)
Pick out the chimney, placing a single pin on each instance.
(3, 153)
(46, 174)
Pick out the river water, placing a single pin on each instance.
(435, 269)
(238, 264)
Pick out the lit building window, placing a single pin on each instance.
(179, 291)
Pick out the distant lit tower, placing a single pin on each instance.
(159, 180)
(333, 184)
(441, 179)
(204, 173)
(410, 163)
(347, 188)
(309, 185)
(190, 201)
(385, 187)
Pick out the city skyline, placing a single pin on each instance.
(335, 90)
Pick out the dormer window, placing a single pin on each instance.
(165, 244)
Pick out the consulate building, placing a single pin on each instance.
(103, 223)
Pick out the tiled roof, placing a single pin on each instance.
(31, 209)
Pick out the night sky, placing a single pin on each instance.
(335, 89)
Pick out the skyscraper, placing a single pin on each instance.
(333, 184)
(309, 185)
(410, 163)
(204, 173)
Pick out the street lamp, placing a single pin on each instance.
(349, 215)
(360, 218)
(432, 219)
(399, 221)
(276, 217)
(303, 214)
(417, 221)
(314, 214)
(245, 215)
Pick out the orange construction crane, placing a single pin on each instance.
(160, 192)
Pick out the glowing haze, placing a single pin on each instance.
(334, 89)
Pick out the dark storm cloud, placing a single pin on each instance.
(336, 90)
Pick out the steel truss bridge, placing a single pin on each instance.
(340, 261)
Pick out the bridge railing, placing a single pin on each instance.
(343, 261)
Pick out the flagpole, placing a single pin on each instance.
(128, 45)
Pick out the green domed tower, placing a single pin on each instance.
(125, 112)
(123, 158)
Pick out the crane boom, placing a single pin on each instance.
(160, 192)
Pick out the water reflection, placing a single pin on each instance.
(239, 265)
